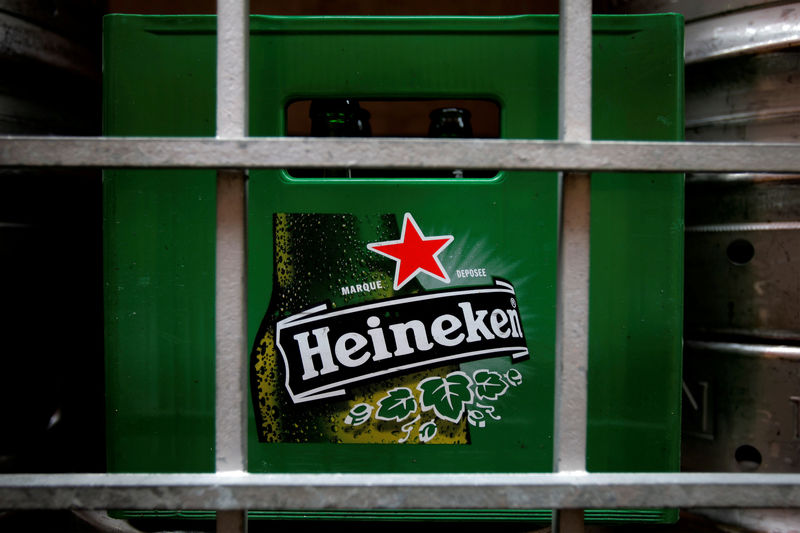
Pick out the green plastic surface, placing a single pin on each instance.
(159, 232)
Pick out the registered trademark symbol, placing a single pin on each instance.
(513, 303)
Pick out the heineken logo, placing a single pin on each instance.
(327, 350)
(378, 331)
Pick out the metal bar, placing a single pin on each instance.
(572, 327)
(575, 70)
(396, 491)
(572, 305)
(280, 152)
(233, 34)
(231, 289)
(230, 313)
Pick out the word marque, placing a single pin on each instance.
(324, 350)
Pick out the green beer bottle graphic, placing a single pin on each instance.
(324, 258)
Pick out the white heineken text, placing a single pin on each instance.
(321, 354)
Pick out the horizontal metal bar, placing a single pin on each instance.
(278, 152)
(230, 491)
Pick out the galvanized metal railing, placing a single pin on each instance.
(231, 489)
(233, 47)
(279, 152)
(572, 284)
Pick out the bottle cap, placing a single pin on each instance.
(450, 122)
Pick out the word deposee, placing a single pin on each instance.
(471, 273)
(324, 350)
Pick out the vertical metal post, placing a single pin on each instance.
(233, 44)
(233, 32)
(572, 305)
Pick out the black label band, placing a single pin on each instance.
(326, 350)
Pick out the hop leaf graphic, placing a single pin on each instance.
(447, 396)
(514, 377)
(489, 385)
(476, 418)
(398, 405)
(359, 414)
(427, 431)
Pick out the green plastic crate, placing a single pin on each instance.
(159, 77)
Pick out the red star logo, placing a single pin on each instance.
(414, 253)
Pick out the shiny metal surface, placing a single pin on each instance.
(750, 98)
(738, 228)
(21, 40)
(50, 61)
(743, 413)
(742, 177)
(279, 152)
(772, 520)
(396, 491)
(717, 29)
(742, 282)
(691, 9)
(743, 259)
(745, 32)
(65, 17)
